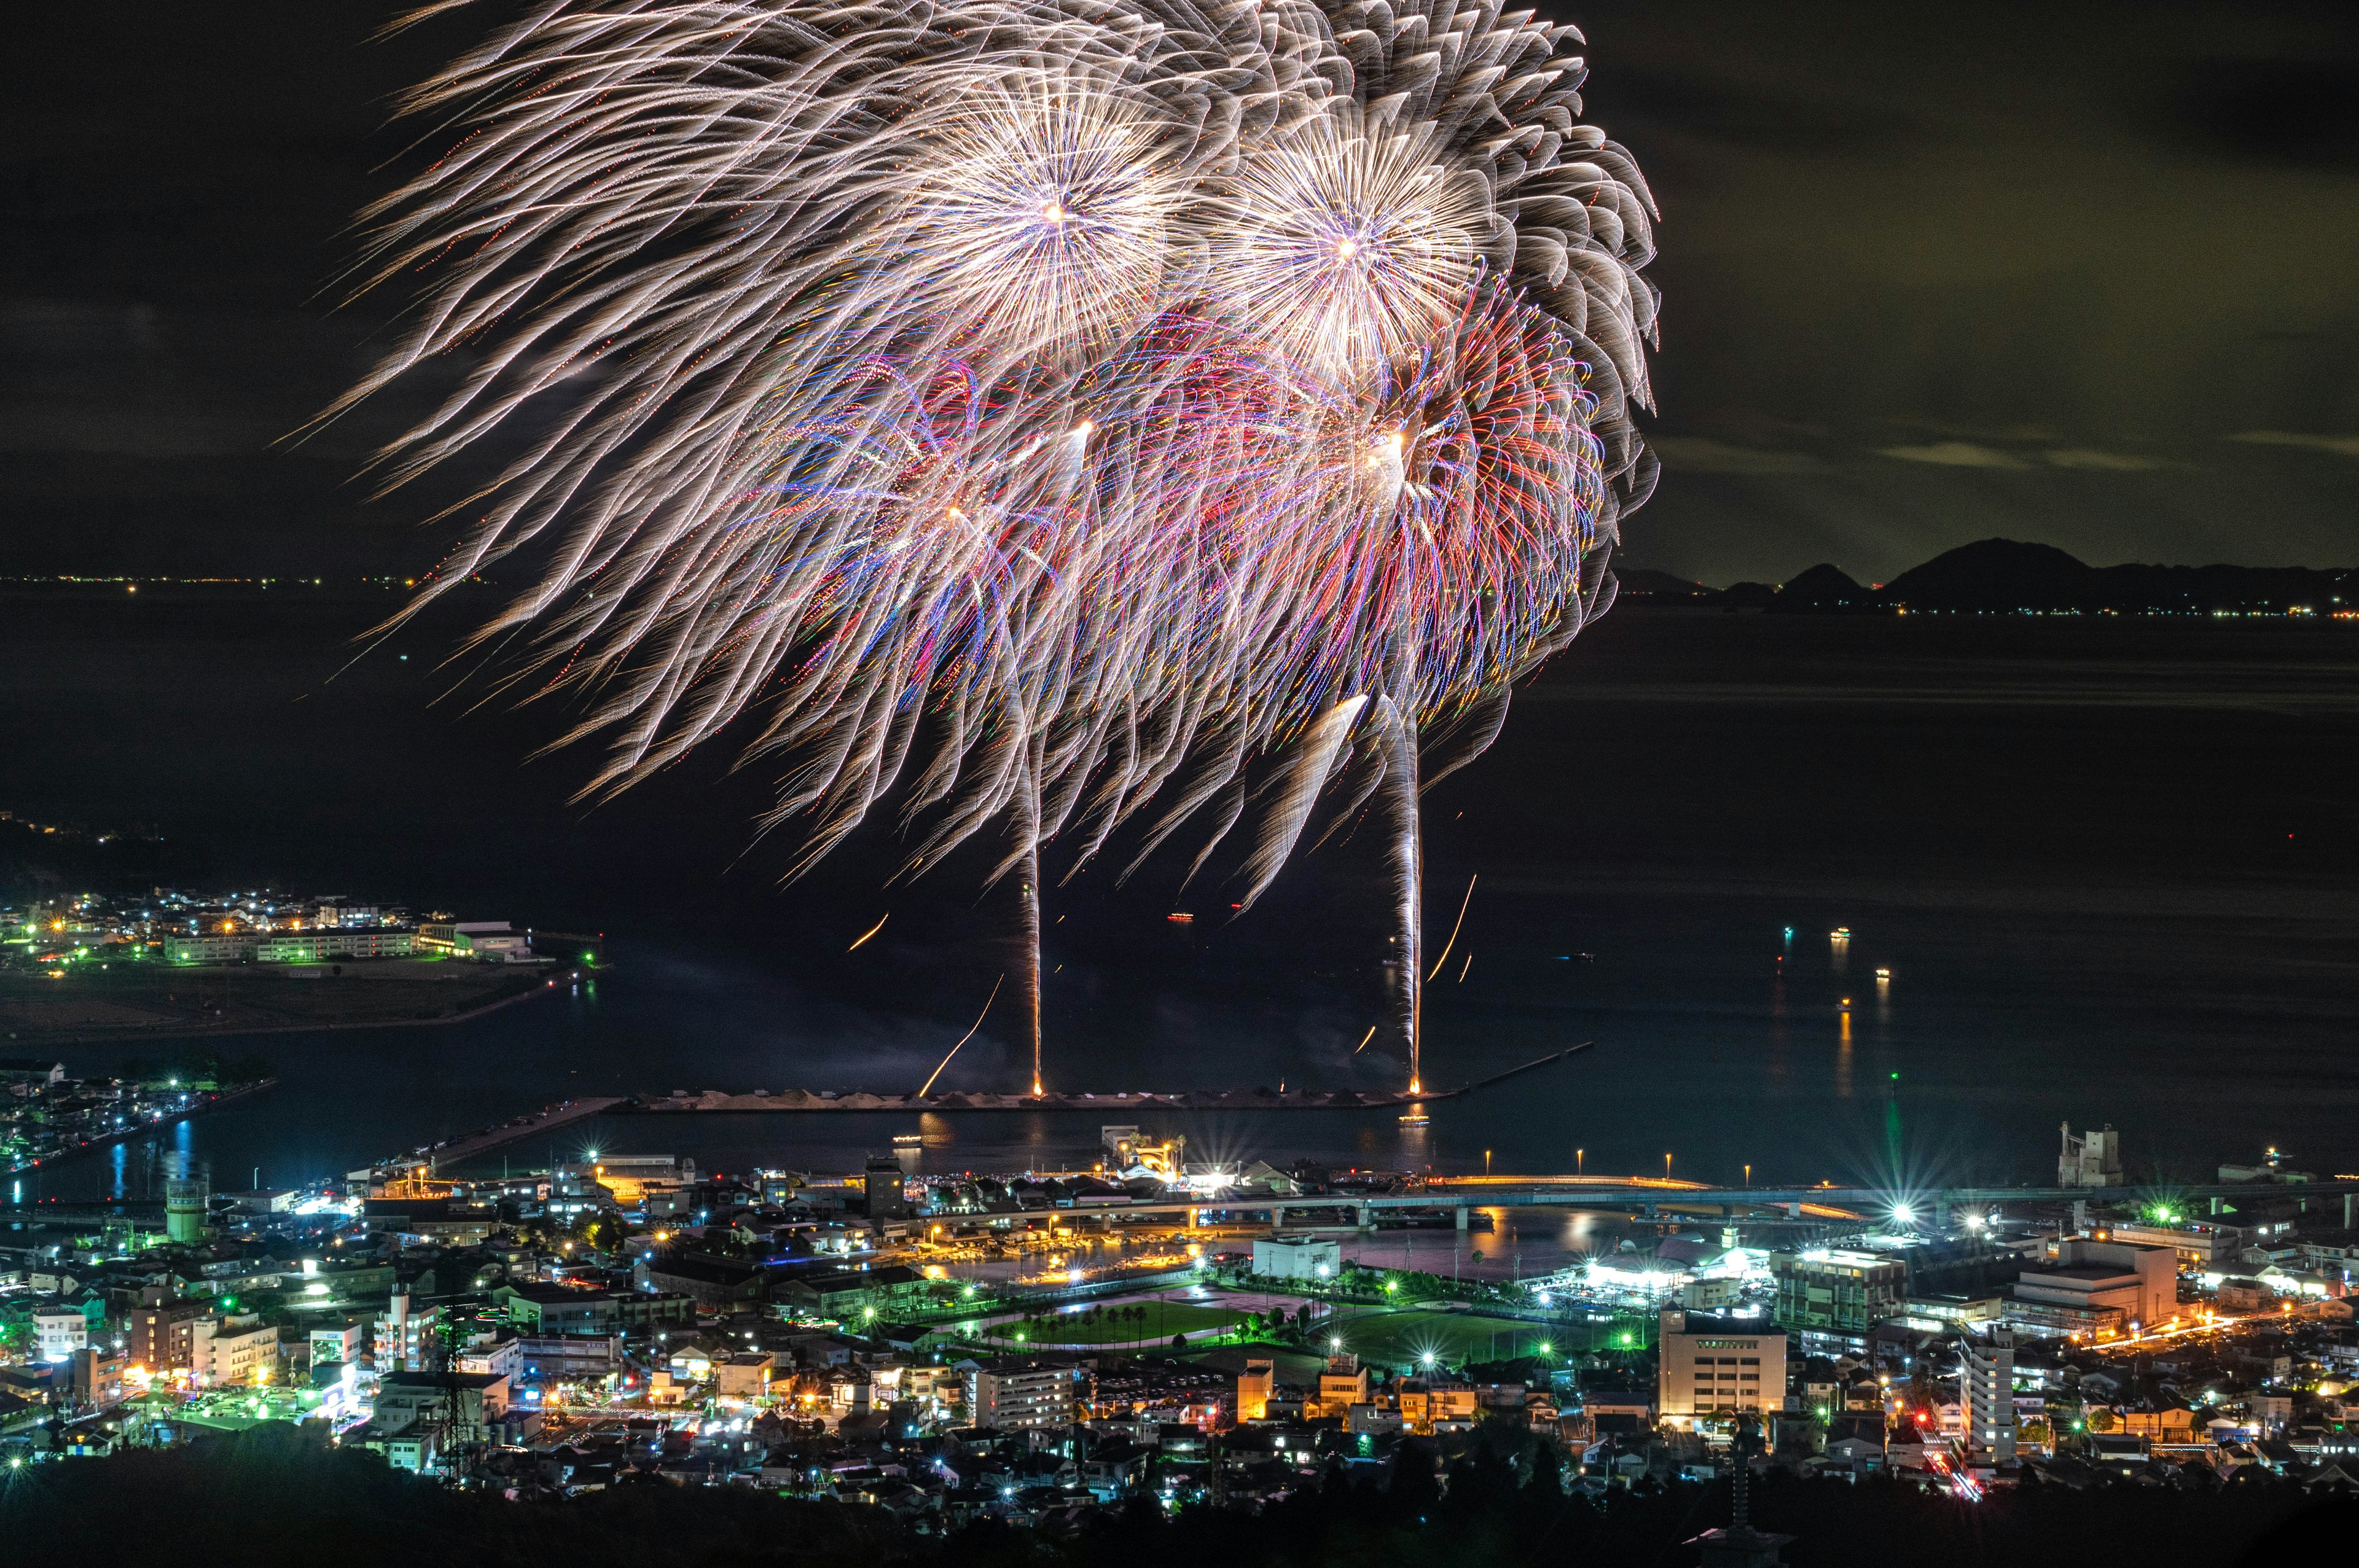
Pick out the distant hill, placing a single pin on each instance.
(2012, 577)
(1991, 574)
(1824, 589)
(1661, 587)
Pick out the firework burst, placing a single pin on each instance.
(1044, 407)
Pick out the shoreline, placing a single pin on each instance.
(239, 1031)
(214, 1101)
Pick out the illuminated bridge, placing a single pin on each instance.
(1662, 1198)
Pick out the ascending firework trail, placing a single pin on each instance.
(1050, 408)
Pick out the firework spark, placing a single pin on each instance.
(1055, 409)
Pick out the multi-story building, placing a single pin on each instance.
(540, 1310)
(1429, 1405)
(1713, 1367)
(886, 1188)
(2201, 1246)
(1017, 1392)
(2092, 1160)
(1298, 1256)
(404, 1340)
(1829, 1299)
(336, 942)
(164, 1334)
(241, 1349)
(420, 1416)
(492, 939)
(59, 1332)
(339, 1342)
(2090, 1279)
(549, 1357)
(1343, 1383)
(209, 947)
(1255, 1385)
(1986, 1379)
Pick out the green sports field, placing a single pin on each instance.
(1402, 1339)
(1111, 1326)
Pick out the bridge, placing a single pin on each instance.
(1659, 1197)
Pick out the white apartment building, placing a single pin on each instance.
(241, 1350)
(1986, 1378)
(1018, 1392)
(58, 1335)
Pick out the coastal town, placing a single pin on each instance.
(88, 967)
(1037, 1346)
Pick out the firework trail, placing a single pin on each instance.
(1054, 411)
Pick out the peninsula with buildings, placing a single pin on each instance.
(91, 968)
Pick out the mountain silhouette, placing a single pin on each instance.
(2015, 577)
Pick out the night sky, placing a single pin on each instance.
(2078, 274)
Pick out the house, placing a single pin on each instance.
(743, 1376)
(1429, 1405)
(1856, 1454)
(1113, 1468)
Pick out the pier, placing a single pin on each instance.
(1127, 1103)
(564, 1113)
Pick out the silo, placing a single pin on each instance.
(184, 1207)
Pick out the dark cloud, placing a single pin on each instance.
(2291, 110)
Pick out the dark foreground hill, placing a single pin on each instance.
(268, 1499)
(2011, 576)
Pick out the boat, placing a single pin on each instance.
(908, 1139)
(1417, 1119)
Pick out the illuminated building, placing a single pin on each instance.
(1714, 1367)
(2084, 1276)
(2092, 1160)
(744, 1375)
(1255, 1384)
(58, 1335)
(185, 1197)
(209, 947)
(240, 1350)
(492, 939)
(1296, 1257)
(1126, 1152)
(1830, 1298)
(1343, 1383)
(1429, 1405)
(1015, 1394)
(888, 1196)
(313, 947)
(338, 1342)
(421, 1416)
(1987, 1375)
(163, 1334)
(403, 1335)
(2201, 1246)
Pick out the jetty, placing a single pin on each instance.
(721, 1101)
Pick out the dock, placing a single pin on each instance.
(564, 1113)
